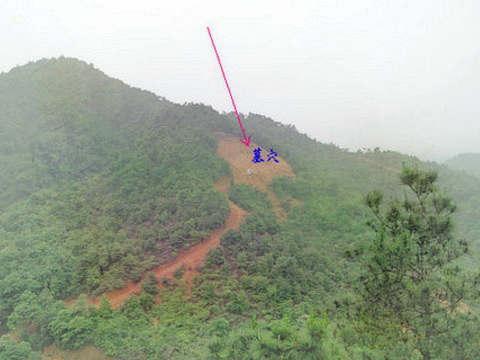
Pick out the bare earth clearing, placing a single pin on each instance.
(244, 171)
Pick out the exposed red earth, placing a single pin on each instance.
(190, 260)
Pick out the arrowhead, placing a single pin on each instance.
(246, 141)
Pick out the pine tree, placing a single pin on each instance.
(409, 275)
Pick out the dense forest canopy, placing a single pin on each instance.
(101, 182)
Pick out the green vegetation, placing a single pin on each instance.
(410, 275)
(470, 163)
(83, 219)
(13, 350)
(102, 182)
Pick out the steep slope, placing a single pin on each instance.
(100, 182)
(118, 165)
(244, 171)
(326, 172)
(190, 260)
(103, 182)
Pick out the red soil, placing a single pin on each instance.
(239, 158)
(244, 172)
(191, 260)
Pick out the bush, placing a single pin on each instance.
(12, 350)
(150, 284)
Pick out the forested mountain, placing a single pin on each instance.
(470, 163)
(102, 182)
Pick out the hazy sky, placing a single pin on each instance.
(403, 75)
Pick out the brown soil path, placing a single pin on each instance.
(191, 259)
(259, 175)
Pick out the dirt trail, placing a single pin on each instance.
(191, 259)
(246, 172)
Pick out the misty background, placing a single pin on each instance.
(401, 75)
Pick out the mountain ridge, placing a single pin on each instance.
(468, 162)
(103, 182)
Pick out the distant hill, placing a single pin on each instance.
(469, 163)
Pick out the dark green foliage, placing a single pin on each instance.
(408, 276)
(96, 189)
(13, 350)
(285, 338)
(150, 284)
(178, 274)
(71, 329)
(215, 258)
(249, 198)
(32, 316)
(100, 182)
(146, 301)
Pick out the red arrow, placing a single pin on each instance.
(246, 139)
